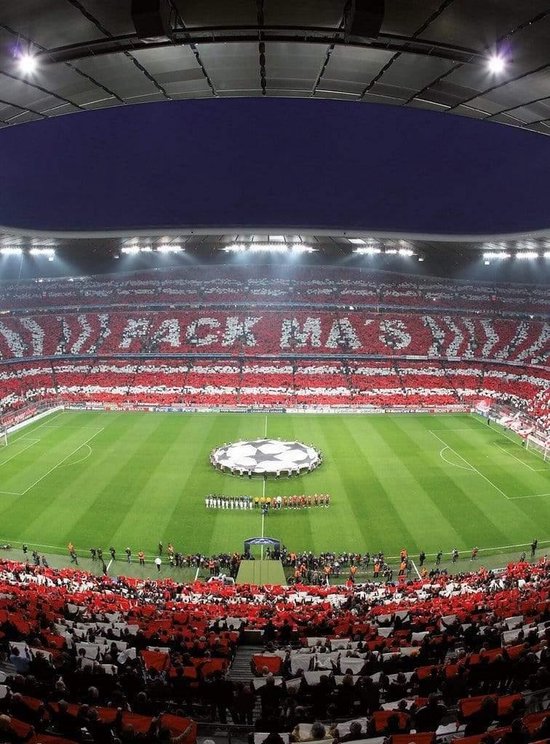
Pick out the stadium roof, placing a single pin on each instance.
(429, 54)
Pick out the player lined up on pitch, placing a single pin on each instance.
(303, 501)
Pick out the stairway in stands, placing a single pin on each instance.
(240, 670)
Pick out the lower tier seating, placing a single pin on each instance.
(97, 659)
(221, 382)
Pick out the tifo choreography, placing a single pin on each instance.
(216, 501)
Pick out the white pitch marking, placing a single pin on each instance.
(529, 496)
(535, 470)
(32, 441)
(472, 467)
(60, 463)
(463, 467)
(415, 568)
(46, 421)
(197, 573)
(76, 462)
(109, 565)
(265, 428)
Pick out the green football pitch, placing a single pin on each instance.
(416, 481)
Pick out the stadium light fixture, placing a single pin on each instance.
(406, 252)
(267, 248)
(294, 248)
(391, 251)
(547, 254)
(277, 238)
(46, 252)
(235, 248)
(527, 255)
(28, 63)
(367, 250)
(130, 250)
(301, 248)
(496, 64)
(169, 248)
(145, 249)
(498, 255)
(356, 241)
(11, 251)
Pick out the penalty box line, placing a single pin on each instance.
(37, 481)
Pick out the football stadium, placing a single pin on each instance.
(274, 372)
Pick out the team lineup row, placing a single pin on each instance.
(215, 501)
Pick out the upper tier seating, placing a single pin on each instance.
(215, 285)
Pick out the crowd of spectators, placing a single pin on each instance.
(95, 658)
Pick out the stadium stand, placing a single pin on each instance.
(453, 657)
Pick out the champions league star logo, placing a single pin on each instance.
(266, 457)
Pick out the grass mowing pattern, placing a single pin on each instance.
(420, 481)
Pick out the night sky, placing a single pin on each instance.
(273, 162)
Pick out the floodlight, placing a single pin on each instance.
(235, 248)
(498, 255)
(547, 254)
(496, 64)
(11, 251)
(368, 250)
(391, 251)
(167, 248)
(27, 63)
(357, 241)
(130, 249)
(406, 252)
(146, 249)
(527, 255)
(301, 248)
(46, 252)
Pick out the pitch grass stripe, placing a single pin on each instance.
(32, 442)
(521, 462)
(413, 492)
(515, 520)
(423, 507)
(445, 489)
(117, 497)
(392, 511)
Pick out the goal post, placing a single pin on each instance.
(3, 436)
(538, 446)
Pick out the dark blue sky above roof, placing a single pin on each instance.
(273, 162)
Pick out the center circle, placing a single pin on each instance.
(265, 457)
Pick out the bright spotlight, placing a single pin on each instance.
(11, 251)
(27, 63)
(48, 253)
(170, 248)
(496, 64)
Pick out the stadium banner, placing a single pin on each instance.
(28, 415)
(262, 408)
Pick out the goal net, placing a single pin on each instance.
(538, 446)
